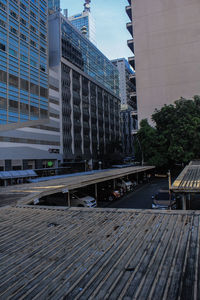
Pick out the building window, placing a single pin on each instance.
(12, 52)
(34, 89)
(13, 14)
(2, 23)
(33, 43)
(33, 14)
(42, 22)
(3, 76)
(42, 49)
(2, 47)
(23, 57)
(2, 6)
(42, 36)
(24, 84)
(22, 36)
(42, 68)
(32, 28)
(24, 108)
(22, 21)
(22, 6)
(33, 63)
(3, 102)
(43, 113)
(43, 92)
(13, 30)
(13, 80)
(13, 105)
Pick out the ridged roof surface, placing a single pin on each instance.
(80, 253)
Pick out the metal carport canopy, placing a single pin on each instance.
(17, 174)
(188, 180)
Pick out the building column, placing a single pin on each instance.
(183, 202)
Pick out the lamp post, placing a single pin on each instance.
(142, 162)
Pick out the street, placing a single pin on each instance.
(141, 197)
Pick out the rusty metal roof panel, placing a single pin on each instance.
(75, 253)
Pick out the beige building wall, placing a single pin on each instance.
(167, 52)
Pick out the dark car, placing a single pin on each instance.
(163, 200)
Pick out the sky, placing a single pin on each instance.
(110, 20)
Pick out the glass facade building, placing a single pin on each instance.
(82, 53)
(23, 61)
(86, 20)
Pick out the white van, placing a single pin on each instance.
(126, 185)
(80, 199)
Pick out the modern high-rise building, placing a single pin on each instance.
(167, 51)
(128, 113)
(84, 22)
(90, 91)
(25, 132)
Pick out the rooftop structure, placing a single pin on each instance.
(99, 254)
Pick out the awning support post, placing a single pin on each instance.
(69, 204)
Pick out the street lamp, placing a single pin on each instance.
(135, 134)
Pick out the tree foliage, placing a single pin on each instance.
(175, 138)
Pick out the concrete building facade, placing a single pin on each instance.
(167, 51)
(90, 91)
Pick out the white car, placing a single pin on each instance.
(81, 200)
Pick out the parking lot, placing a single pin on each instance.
(140, 198)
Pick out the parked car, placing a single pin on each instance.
(82, 200)
(161, 200)
(108, 194)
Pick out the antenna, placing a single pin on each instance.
(87, 5)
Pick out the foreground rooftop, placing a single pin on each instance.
(79, 253)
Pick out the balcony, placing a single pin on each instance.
(130, 44)
(133, 94)
(129, 27)
(129, 12)
(131, 61)
(134, 131)
(134, 113)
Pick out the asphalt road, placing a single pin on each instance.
(141, 197)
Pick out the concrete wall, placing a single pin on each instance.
(167, 49)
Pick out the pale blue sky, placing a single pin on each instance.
(110, 19)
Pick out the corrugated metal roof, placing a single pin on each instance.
(99, 254)
(189, 179)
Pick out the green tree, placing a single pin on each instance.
(175, 138)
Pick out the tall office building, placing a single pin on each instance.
(167, 51)
(25, 137)
(90, 91)
(128, 113)
(84, 22)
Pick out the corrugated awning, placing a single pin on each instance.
(17, 174)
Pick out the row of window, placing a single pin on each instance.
(23, 57)
(24, 84)
(24, 7)
(28, 141)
